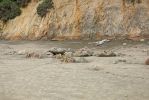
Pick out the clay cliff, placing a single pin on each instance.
(80, 19)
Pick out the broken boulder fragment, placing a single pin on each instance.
(83, 52)
(61, 51)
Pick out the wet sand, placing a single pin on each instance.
(49, 79)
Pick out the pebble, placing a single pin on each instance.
(124, 44)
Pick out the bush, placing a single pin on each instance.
(22, 3)
(8, 10)
(43, 8)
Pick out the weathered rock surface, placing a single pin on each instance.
(83, 52)
(61, 51)
(75, 19)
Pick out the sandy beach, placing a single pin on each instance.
(123, 77)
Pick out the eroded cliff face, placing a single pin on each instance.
(80, 19)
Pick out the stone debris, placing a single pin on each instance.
(67, 59)
(61, 51)
(83, 52)
(69, 54)
(34, 55)
(106, 54)
(70, 59)
(49, 54)
(58, 56)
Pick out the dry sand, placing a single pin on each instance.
(48, 79)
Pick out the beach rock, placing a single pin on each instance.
(142, 40)
(83, 52)
(49, 54)
(33, 55)
(67, 59)
(69, 54)
(106, 54)
(5, 46)
(22, 52)
(147, 62)
(61, 51)
(58, 56)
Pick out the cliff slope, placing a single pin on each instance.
(80, 19)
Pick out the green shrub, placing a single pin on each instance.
(22, 3)
(8, 10)
(43, 8)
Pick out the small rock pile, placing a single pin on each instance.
(83, 52)
(67, 55)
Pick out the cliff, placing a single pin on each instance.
(80, 19)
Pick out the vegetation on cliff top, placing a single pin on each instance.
(44, 7)
(9, 9)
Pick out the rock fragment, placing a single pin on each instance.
(147, 62)
(61, 51)
(106, 54)
(83, 52)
